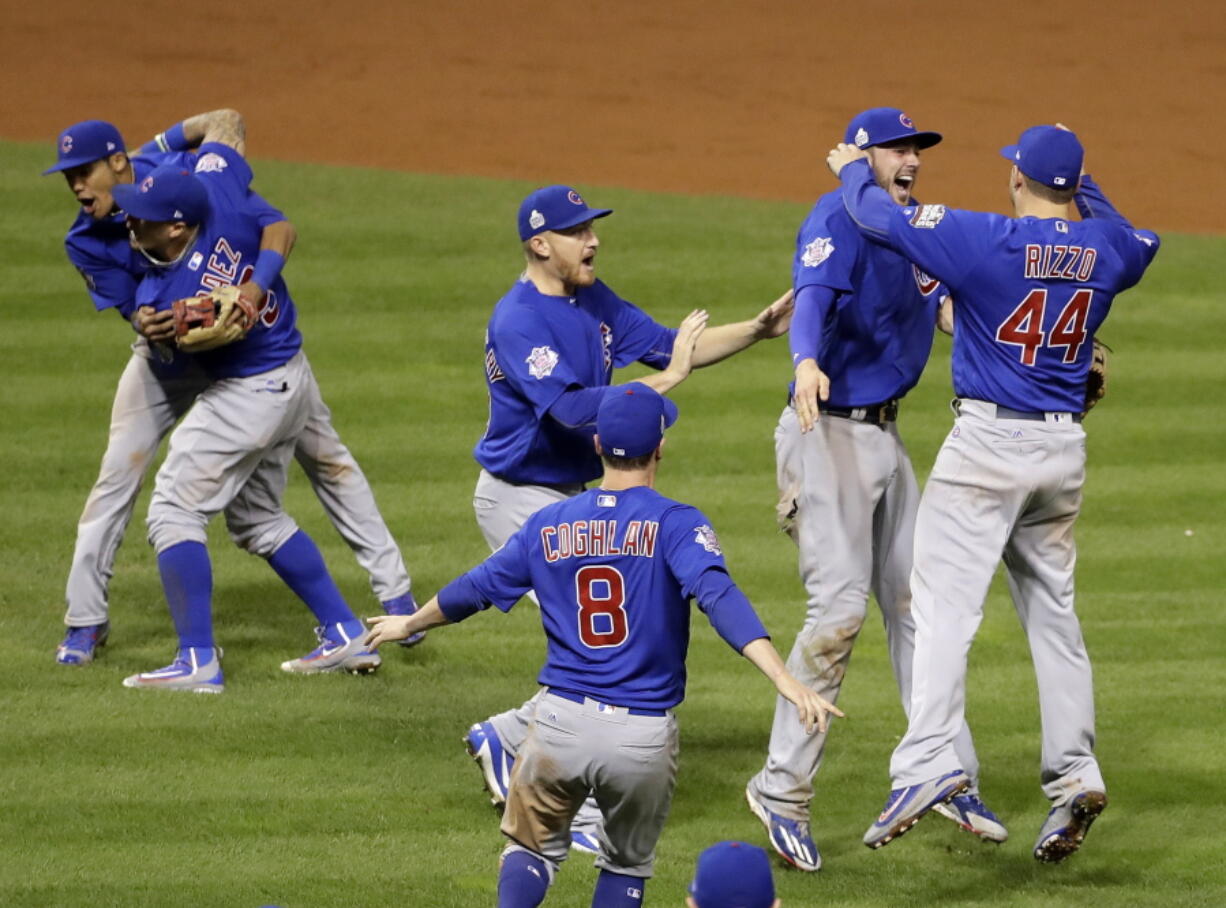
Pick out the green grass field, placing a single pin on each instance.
(342, 791)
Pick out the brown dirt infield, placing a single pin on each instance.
(722, 96)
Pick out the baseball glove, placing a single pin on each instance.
(206, 322)
(1096, 381)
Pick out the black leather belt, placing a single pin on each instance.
(1010, 413)
(580, 698)
(876, 414)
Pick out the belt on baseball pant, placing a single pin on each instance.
(876, 414)
(584, 698)
(1002, 412)
(566, 488)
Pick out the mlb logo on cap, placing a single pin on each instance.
(555, 208)
(84, 143)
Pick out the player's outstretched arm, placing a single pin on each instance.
(723, 341)
(386, 628)
(682, 362)
(814, 710)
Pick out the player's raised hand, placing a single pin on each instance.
(812, 385)
(842, 155)
(775, 318)
(691, 328)
(814, 710)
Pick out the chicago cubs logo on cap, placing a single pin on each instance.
(906, 121)
(574, 198)
(146, 184)
(66, 144)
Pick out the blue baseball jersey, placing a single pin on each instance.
(614, 572)
(536, 348)
(875, 339)
(224, 252)
(1029, 293)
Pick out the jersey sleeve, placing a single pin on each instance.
(690, 546)
(110, 286)
(501, 580)
(947, 243)
(1136, 248)
(224, 167)
(533, 364)
(263, 212)
(637, 337)
(827, 247)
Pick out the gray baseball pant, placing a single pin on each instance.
(1011, 488)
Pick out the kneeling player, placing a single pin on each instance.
(614, 569)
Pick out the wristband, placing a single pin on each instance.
(172, 139)
(267, 267)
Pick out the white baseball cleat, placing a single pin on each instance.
(340, 649)
(196, 669)
(969, 812)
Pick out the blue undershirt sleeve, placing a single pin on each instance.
(810, 321)
(726, 607)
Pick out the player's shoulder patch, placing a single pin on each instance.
(927, 216)
(541, 362)
(705, 537)
(211, 163)
(817, 252)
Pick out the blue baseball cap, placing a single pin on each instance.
(632, 418)
(733, 875)
(882, 125)
(167, 193)
(81, 143)
(1048, 154)
(554, 208)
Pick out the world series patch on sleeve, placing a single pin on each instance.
(206, 322)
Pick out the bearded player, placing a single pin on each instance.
(614, 570)
(550, 350)
(860, 338)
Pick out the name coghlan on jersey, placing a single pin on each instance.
(583, 538)
(1069, 263)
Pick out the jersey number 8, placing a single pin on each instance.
(600, 592)
(1024, 326)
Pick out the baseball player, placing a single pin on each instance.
(1030, 293)
(200, 231)
(860, 338)
(157, 386)
(550, 350)
(732, 875)
(614, 569)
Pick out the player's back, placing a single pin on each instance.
(610, 569)
(1027, 310)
